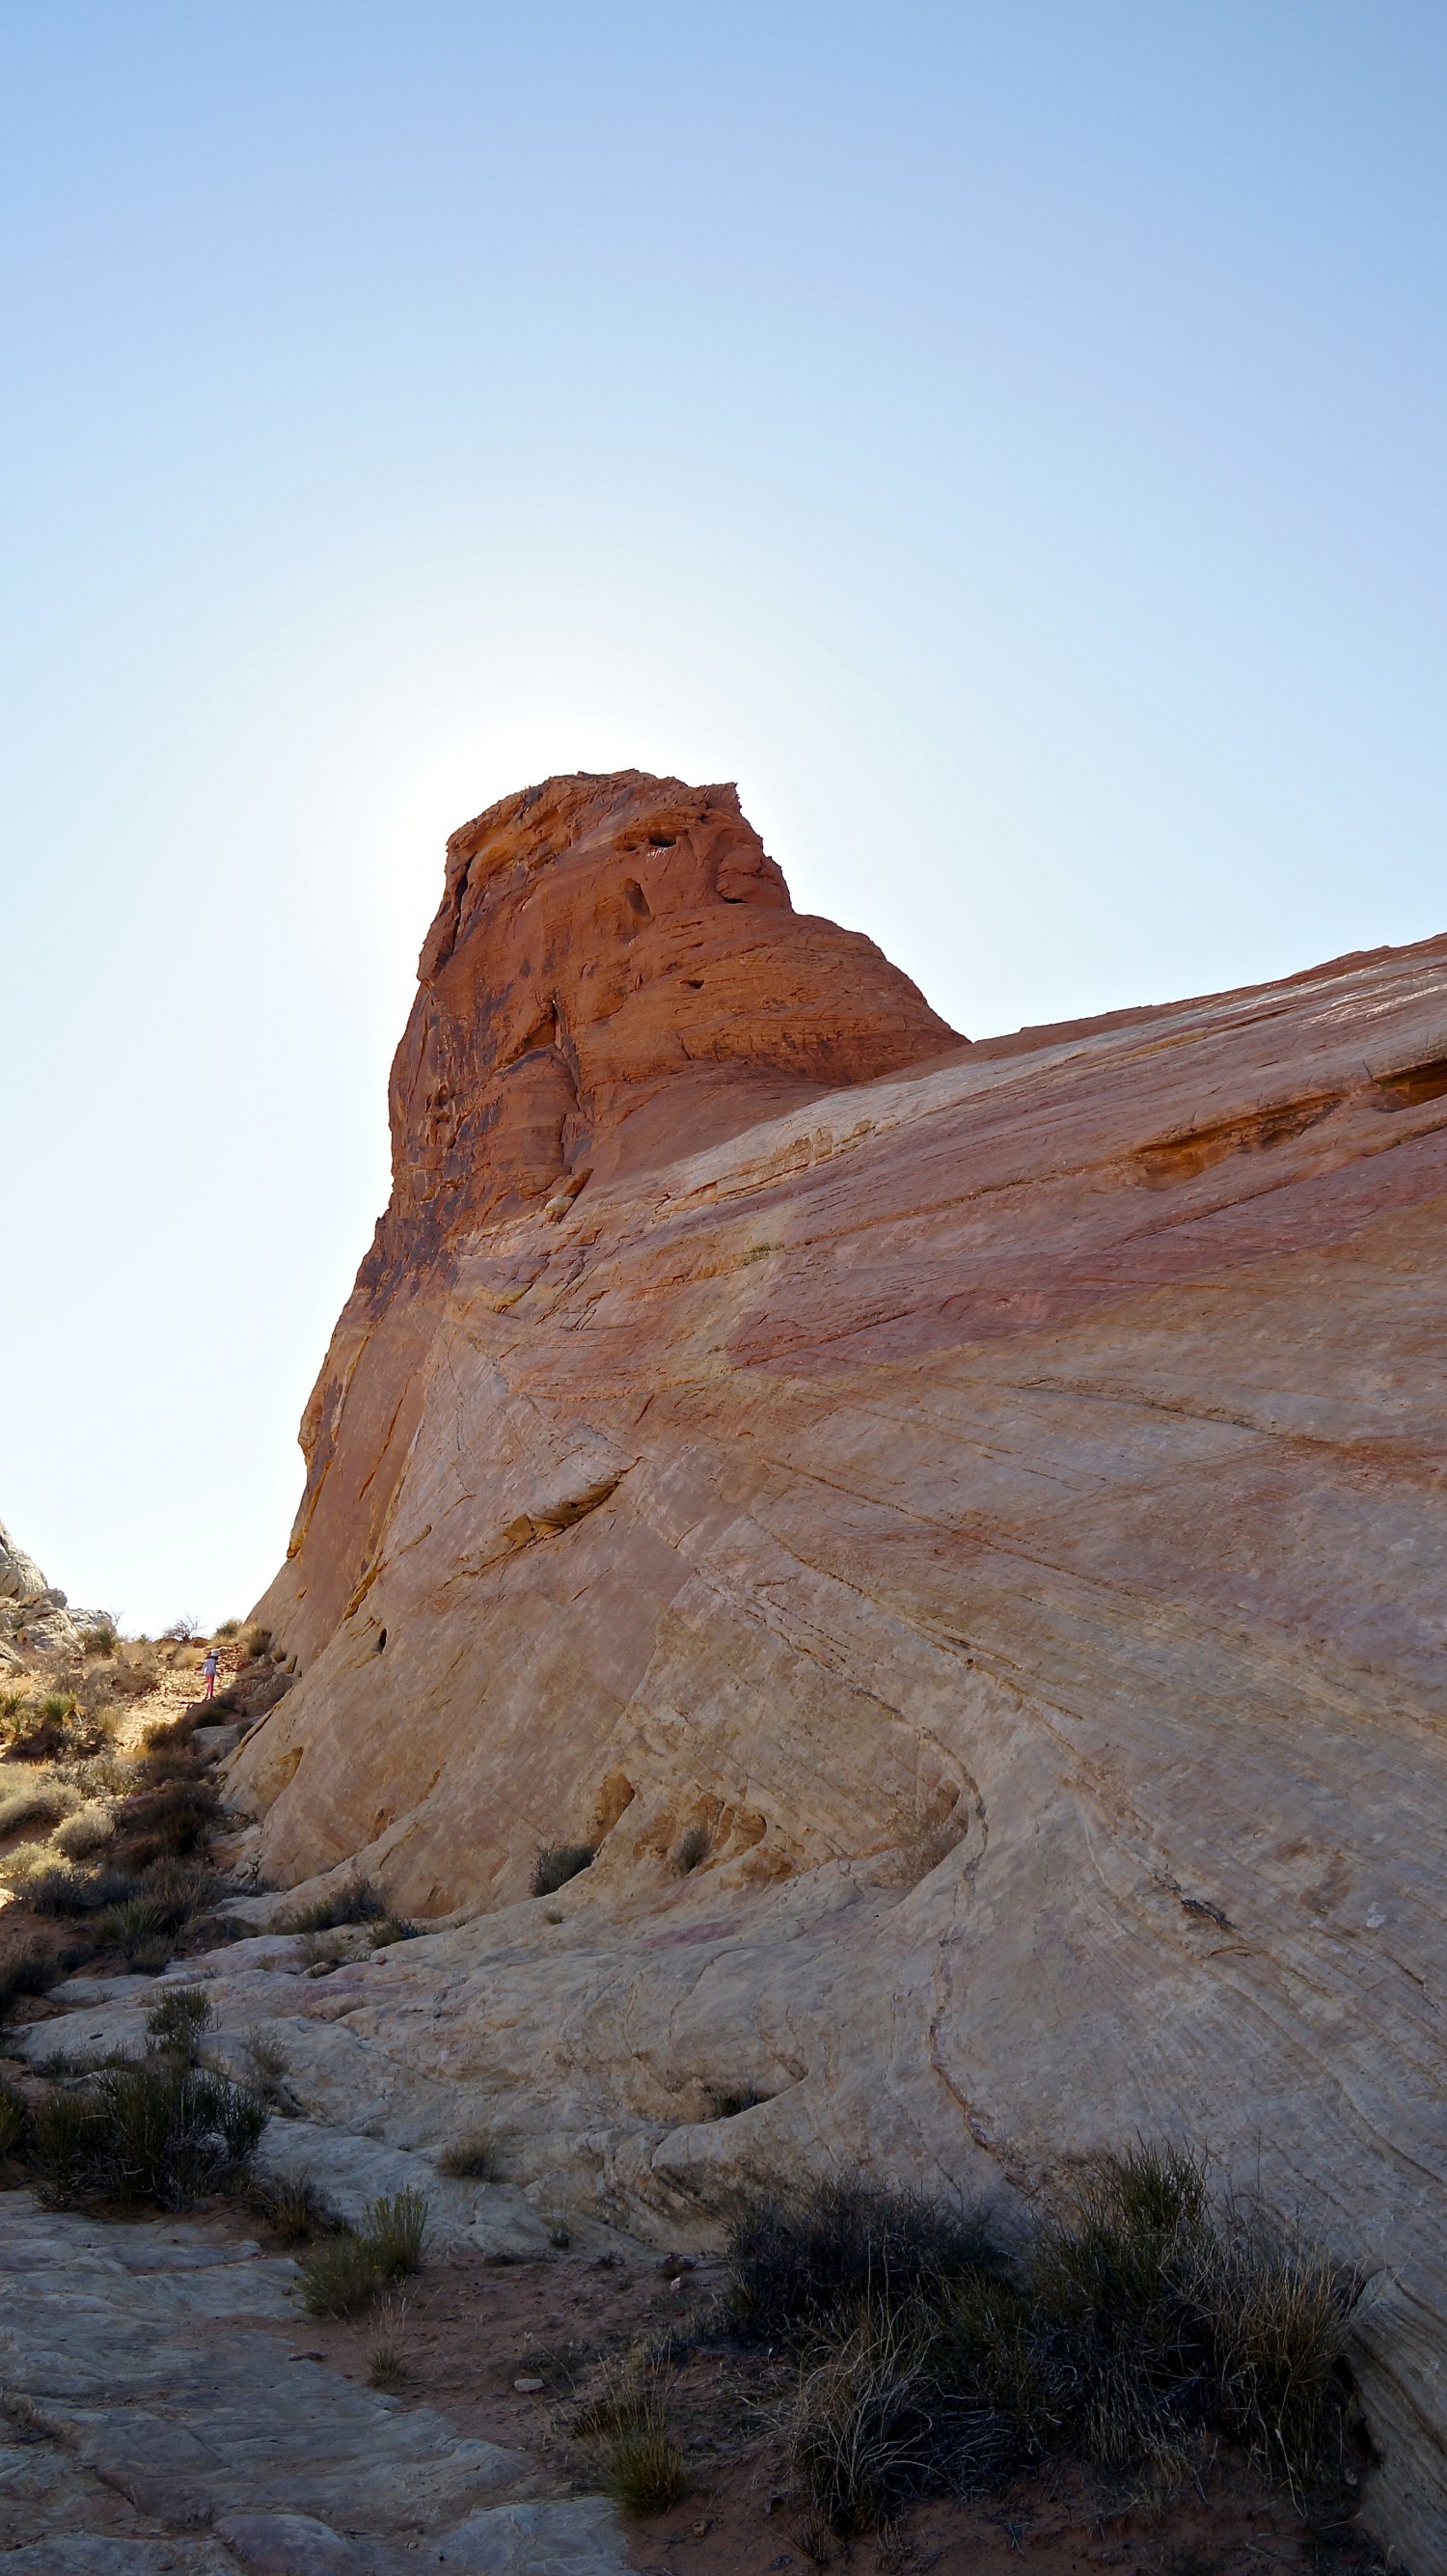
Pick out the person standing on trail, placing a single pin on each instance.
(210, 1668)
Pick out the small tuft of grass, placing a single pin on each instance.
(392, 1928)
(643, 2470)
(691, 1849)
(387, 2363)
(347, 2272)
(356, 1902)
(555, 1863)
(292, 2206)
(475, 2158)
(727, 2103)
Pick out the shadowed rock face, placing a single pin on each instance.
(992, 1498)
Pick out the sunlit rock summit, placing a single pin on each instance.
(957, 1530)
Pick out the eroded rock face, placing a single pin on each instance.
(987, 1511)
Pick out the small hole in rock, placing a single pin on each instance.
(381, 1639)
(638, 902)
(662, 840)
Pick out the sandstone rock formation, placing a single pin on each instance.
(981, 1509)
(33, 1614)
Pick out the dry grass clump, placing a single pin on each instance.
(355, 1902)
(1146, 2316)
(292, 2205)
(387, 2362)
(475, 2158)
(40, 1803)
(348, 2271)
(86, 1831)
(555, 1863)
(627, 2420)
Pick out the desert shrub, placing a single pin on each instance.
(691, 1849)
(555, 1863)
(159, 2130)
(256, 1641)
(29, 1969)
(347, 2272)
(475, 2158)
(103, 1639)
(43, 1730)
(181, 1632)
(228, 1629)
(137, 1927)
(69, 1892)
(356, 1902)
(20, 1865)
(41, 1804)
(13, 2116)
(181, 1888)
(176, 2023)
(1145, 2316)
(85, 1833)
(392, 1928)
(794, 2257)
(168, 1821)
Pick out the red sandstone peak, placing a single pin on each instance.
(620, 952)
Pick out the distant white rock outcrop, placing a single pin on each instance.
(33, 1613)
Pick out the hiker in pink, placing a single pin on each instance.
(210, 1668)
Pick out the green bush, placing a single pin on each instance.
(347, 2272)
(555, 1863)
(157, 2130)
(178, 2021)
(45, 1803)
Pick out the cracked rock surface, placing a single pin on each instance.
(162, 2418)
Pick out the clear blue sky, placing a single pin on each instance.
(1008, 439)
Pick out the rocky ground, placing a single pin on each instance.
(170, 2409)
